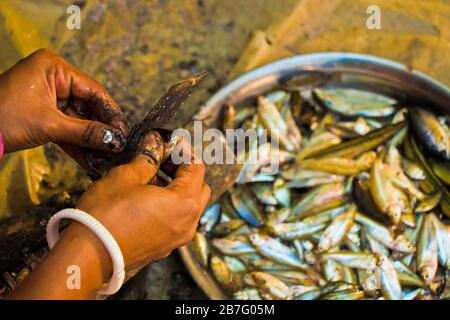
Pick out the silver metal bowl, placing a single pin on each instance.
(336, 69)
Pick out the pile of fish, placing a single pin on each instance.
(359, 208)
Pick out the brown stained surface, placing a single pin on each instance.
(137, 48)
(415, 33)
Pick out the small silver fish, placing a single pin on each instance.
(337, 230)
(427, 251)
(275, 250)
(390, 285)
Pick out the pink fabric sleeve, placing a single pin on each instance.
(1, 145)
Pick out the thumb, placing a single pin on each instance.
(143, 168)
(88, 134)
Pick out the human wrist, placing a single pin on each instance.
(90, 245)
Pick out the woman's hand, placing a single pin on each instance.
(44, 99)
(147, 221)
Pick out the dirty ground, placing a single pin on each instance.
(136, 48)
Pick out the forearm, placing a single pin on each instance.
(78, 249)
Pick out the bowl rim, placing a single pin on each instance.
(272, 72)
(334, 61)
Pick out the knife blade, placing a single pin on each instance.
(165, 109)
(158, 117)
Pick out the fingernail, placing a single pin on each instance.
(120, 124)
(114, 139)
(153, 146)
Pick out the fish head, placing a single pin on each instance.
(324, 244)
(256, 239)
(381, 260)
(427, 274)
(248, 280)
(395, 213)
(403, 244)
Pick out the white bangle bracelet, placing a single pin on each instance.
(102, 233)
